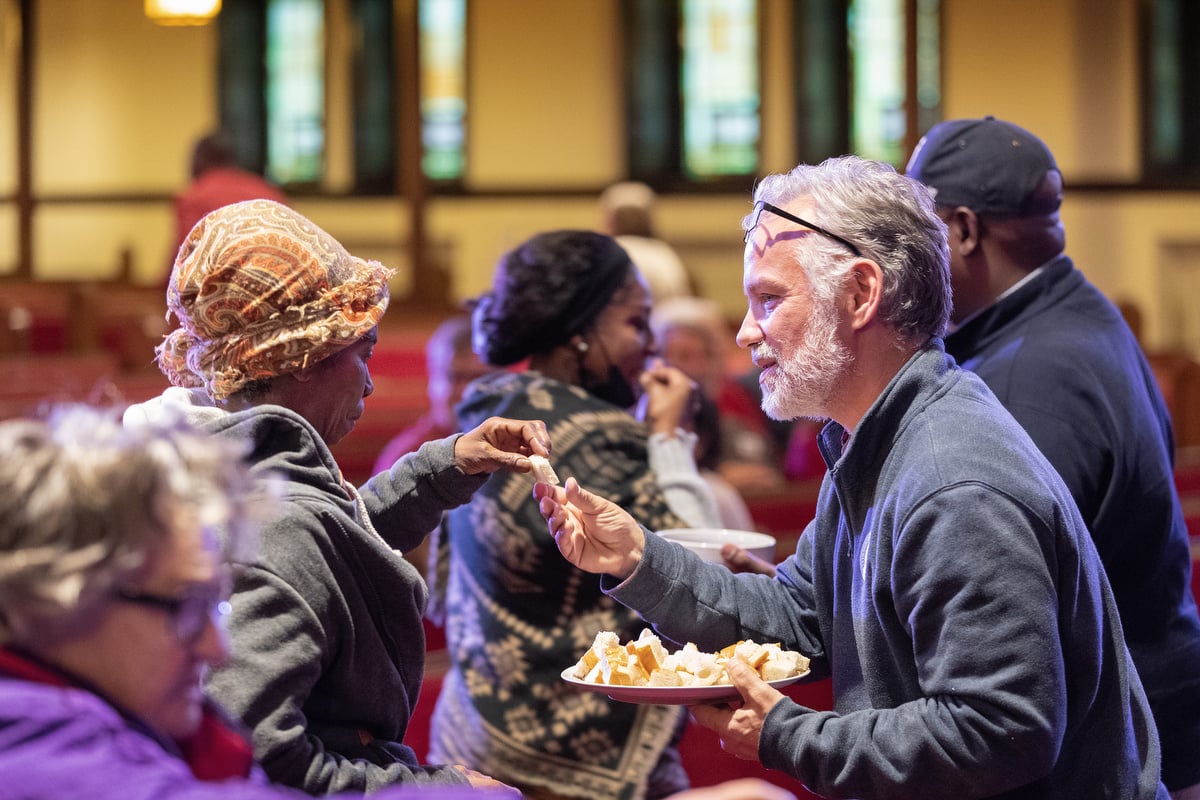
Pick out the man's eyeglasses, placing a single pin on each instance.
(189, 614)
(762, 206)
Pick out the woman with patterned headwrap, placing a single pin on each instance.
(276, 326)
(572, 303)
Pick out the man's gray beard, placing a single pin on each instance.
(807, 378)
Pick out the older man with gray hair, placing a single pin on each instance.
(947, 583)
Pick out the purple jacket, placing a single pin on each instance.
(63, 742)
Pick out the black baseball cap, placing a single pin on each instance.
(988, 165)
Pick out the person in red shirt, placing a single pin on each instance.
(216, 180)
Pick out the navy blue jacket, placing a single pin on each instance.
(1061, 359)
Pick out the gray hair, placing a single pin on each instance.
(699, 314)
(83, 501)
(892, 221)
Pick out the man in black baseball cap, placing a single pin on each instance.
(1060, 357)
(987, 173)
(990, 166)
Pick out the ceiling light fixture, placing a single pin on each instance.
(182, 12)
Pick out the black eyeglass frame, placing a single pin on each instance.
(201, 607)
(762, 206)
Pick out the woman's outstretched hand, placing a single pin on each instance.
(499, 443)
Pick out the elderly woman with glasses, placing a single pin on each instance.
(113, 590)
(277, 323)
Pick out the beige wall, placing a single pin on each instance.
(543, 89)
(119, 101)
(117, 97)
(1072, 78)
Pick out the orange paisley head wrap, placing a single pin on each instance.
(260, 291)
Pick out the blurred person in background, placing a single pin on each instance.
(574, 305)
(216, 179)
(276, 326)
(627, 214)
(755, 452)
(692, 335)
(450, 364)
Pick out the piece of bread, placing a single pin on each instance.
(542, 470)
(665, 677)
(592, 657)
(783, 664)
(710, 675)
(637, 676)
(649, 651)
(611, 660)
(752, 653)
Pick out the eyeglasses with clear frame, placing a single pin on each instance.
(762, 206)
(189, 613)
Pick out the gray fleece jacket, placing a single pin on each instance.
(950, 587)
(328, 648)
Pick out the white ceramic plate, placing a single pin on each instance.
(669, 695)
(706, 542)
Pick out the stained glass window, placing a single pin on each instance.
(443, 88)
(295, 90)
(878, 42)
(929, 64)
(720, 81)
(877, 49)
(1165, 145)
(693, 82)
(1171, 92)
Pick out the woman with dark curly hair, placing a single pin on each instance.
(574, 305)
